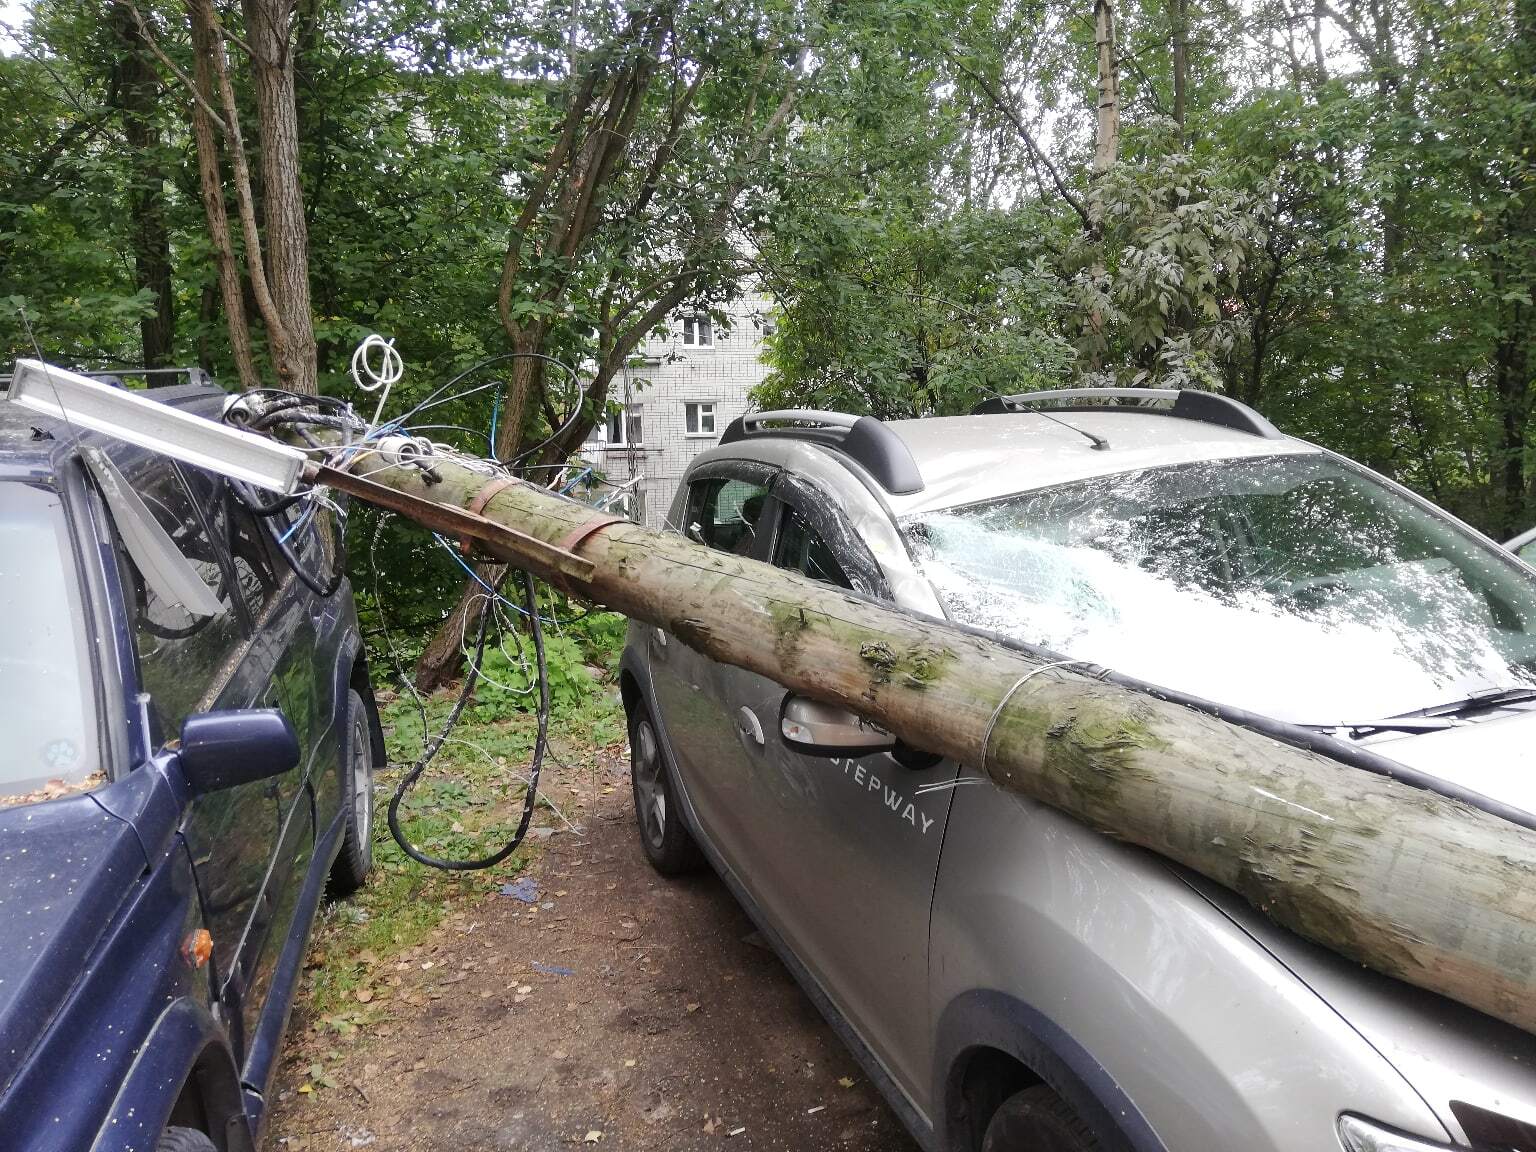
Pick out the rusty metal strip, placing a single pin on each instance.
(477, 508)
(505, 543)
(587, 528)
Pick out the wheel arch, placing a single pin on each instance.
(990, 1044)
(359, 681)
(185, 1074)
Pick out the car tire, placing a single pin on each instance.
(355, 860)
(1037, 1120)
(184, 1140)
(668, 844)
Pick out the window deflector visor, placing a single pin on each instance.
(152, 549)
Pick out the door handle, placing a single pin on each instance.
(747, 724)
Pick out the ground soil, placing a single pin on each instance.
(675, 1029)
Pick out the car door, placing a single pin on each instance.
(722, 507)
(847, 849)
(283, 627)
(192, 660)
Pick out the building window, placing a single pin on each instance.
(698, 331)
(625, 428)
(699, 418)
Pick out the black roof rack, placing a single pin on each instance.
(863, 439)
(1187, 404)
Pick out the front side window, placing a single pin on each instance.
(699, 418)
(799, 549)
(698, 331)
(724, 514)
(46, 687)
(1295, 586)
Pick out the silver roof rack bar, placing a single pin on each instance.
(1186, 404)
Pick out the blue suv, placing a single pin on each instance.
(189, 742)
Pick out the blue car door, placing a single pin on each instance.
(242, 839)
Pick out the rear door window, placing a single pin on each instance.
(725, 513)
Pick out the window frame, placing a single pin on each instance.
(624, 414)
(700, 322)
(695, 409)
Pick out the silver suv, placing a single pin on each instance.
(1012, 981)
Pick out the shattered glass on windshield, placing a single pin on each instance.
(1293, 585)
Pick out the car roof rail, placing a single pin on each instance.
(194, 375)
(863, 439)
(1186, 404)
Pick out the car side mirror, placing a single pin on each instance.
(816, 729)
(226, 748)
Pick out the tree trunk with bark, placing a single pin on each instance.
(1178, 15)
(269, 36)
(1411, 883)
(136, 94)
(211, 183)
(1107, 136)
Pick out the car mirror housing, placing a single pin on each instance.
(816, 729)
(224, 749)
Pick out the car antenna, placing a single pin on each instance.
(1099, 443)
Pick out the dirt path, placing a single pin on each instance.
(618, 1010)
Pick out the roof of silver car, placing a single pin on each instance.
(1033, 440)
(973, 459)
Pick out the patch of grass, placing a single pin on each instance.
(466, 805)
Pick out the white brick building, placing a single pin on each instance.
(683, 387)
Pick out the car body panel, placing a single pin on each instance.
(1170, 1020)
(1446, 1050)
(105, 998)
(1218, 1045)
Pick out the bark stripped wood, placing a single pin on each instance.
(1405, 881)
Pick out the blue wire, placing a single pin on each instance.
(297, 524)
(495, 409)
(580, 476)
(475, 576)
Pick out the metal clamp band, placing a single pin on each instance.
(477, 505)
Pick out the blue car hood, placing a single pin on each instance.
(65, 868)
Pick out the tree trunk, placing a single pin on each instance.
(268, 28)
(1511, 385)
(1406, 881)
(136, 93)
(1179, 18)
(1107, 139)
(211, 183)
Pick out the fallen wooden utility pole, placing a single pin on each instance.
(1406, 881)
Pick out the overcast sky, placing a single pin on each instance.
(13, 14)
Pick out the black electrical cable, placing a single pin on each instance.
(338, 566)
(247, 496)
(541, 743)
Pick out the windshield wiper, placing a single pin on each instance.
(1488, 698)
(1389, 724)
(1436, 717)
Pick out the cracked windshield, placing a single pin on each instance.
(1289, 585)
